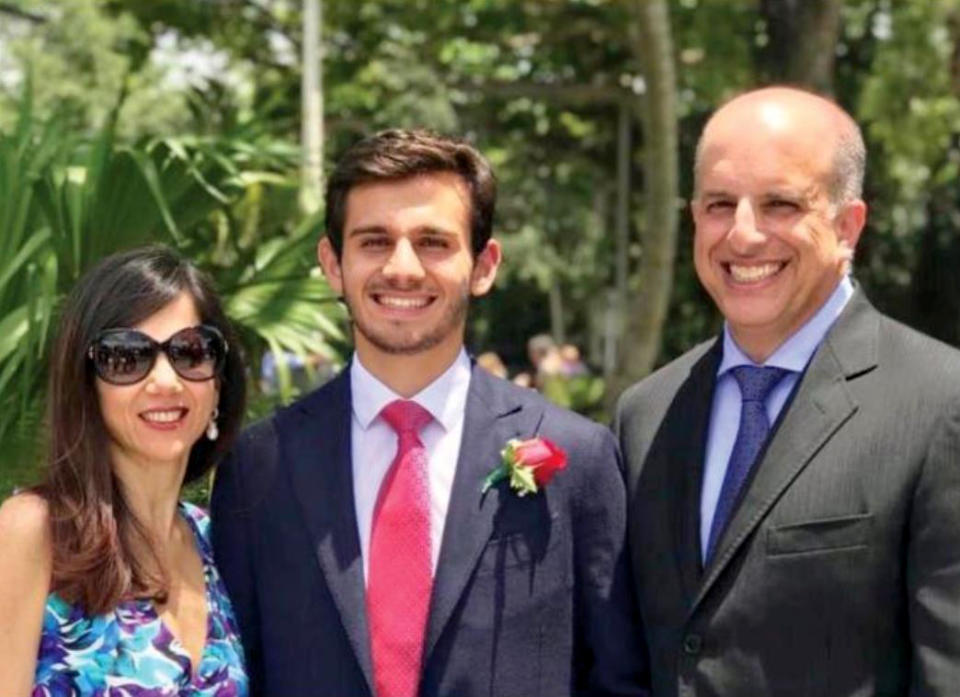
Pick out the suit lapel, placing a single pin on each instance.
(318, 446)
(821, 406)
(686, 450)
(493, 416)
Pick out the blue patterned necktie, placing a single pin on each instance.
(756, 384)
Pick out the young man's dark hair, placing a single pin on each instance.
(400, 154)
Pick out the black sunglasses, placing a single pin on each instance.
(126, 356)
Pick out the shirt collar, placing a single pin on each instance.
(445, 397)
(794, 353)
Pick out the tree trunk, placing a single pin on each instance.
(311, 184)
(801, 49)
(624, 157)
(646, 308)
(557, 323)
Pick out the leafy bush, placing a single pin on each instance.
(227, 203)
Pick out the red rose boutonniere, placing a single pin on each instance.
(528, 464)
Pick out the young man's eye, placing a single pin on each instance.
(434, 242)
(370, 242)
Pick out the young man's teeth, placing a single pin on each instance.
(405, 303)
(751, 274)
(163, 417)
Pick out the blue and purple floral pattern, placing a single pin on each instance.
(130, 653)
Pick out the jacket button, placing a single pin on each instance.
(692, 643)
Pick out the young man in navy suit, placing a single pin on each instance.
(362, 551)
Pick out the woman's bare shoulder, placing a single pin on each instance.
(25, 562)
(24, 524)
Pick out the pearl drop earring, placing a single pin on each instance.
(212, 431)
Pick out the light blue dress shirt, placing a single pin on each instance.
(793, 355)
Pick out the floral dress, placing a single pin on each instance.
(130, 652)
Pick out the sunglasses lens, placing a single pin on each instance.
(196, 352)
(123, 357)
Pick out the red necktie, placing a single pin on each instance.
(398, 586)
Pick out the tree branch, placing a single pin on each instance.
(572, 94)
(14, 11)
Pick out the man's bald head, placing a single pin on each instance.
(822, 122)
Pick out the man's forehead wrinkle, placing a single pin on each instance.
(743, 151)
(774, 189)
(723, 177)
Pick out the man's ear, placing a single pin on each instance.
(327, 257)
(850, 221)
(485, 268)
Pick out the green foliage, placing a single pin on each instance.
(70, 201)
(82, 57)
(912, 114)
(536, 84)
(27, 278)
(581, 393)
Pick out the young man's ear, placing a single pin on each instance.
(327, 257)
(485, 268)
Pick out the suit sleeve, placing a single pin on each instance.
(231, 512)
(933, 564)
(610, 654)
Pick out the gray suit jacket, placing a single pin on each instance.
(839, 573)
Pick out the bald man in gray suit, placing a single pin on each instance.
(794, 485)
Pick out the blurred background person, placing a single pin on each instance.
(542, 353)
(491, 362)
(571, 364)
(305, 372)
(107, 580)
(523, 379)
(544, 358)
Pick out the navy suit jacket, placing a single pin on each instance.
(531, 595)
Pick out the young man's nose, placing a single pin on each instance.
(404, 262)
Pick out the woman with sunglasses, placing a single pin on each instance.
(107, 582)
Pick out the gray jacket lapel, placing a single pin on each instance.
(317, 441)
(821, 406)
(493, 416)
(686, 451)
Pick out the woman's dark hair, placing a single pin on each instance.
(101, 553)
(400, 154)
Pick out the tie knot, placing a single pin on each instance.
(757, 381)
(406, 416)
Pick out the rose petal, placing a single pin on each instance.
(532, 451)
(553, 460)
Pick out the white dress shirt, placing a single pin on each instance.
(374, 444)
(793, 355)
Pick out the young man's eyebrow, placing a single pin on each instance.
(367, 230)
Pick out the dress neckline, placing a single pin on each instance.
(174, 643)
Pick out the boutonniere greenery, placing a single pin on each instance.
(528, 464)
